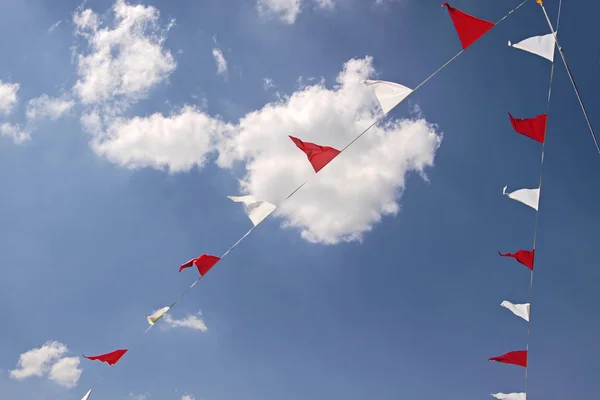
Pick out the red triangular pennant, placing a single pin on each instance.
(534, 128)
(318, 156)
(468, 27)
(514, 357)
(525, 257)
(204, 263)
(110, 358)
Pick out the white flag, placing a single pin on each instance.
(389, 94)
(520, 310)
(154, 317)
(529, 197)
(542, 46)
(256, 208)
(510, 396)
(87, 395)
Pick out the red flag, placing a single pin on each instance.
(468, 27)
(110, 358)
(514, 357)
(525, 257)
(318, 156)
(535, 128)
(204, 263)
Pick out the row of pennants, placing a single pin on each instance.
(389, 95)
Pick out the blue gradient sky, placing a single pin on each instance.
(411, 312)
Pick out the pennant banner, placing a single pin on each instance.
(542, 46)
(520, 310)
(154, 317)
(110, 358)
(514, 357)
(534, 128)
(389, 94)
(204, 263)
(468, 28)
(525, 257)
(256, 208)
(318, 156)
(87, 395)
(529, 197)
(510, 396)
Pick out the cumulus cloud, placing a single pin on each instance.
(190, 321)
(48, 107)
(66, 372)
(14, 132)
(124, 62)
(285, 10)
(48, 360)
(343, 202)
(220, 61)
(8, 96)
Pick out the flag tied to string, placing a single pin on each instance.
(509, 396)
(468, 27)
(318, 156)
(156, 315)
(204, 263)
(542, 46)
(514, 357)
(388, 94)
(525, 257)
(534, 128)
(520, 310)
(87, 395)
(110, 358)
(529, 197)
(256, 208)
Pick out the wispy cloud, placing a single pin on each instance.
(220, 61)
(190, 321)
(54, 26)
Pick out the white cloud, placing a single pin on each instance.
(48, 107)
(191, 321)
(268, 83)
(187, 397)
(139, 396)
(15, 133)
(325, 4)
(286, 10)
(66, 372)
(8, 96)
(48, 360)
(343, 202)
(220, 61)
(54, 26)
(124, 62)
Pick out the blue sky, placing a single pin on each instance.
(380, 284)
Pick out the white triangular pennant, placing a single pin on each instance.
(256, 208)
(154, 317)
(520, 310)
(87, 395)
(509, 396)
(542, 46)
(389, 94)
(529, 197)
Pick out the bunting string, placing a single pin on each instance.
(320, 157)
(564, 59)
(537, 214)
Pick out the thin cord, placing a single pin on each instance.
(562, 55)
(537, 214)
(306, 181)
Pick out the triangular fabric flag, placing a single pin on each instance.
(468, 27)
(87, 395)
(542, 46)
(318, 156)
(514, 357)
(256, 208)
(525, 257)
(156, 315)
(529, 197)
(520, 310)
(534, 128)
(110, 358)
(389, 94)
(509, 396)
(204, 263)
